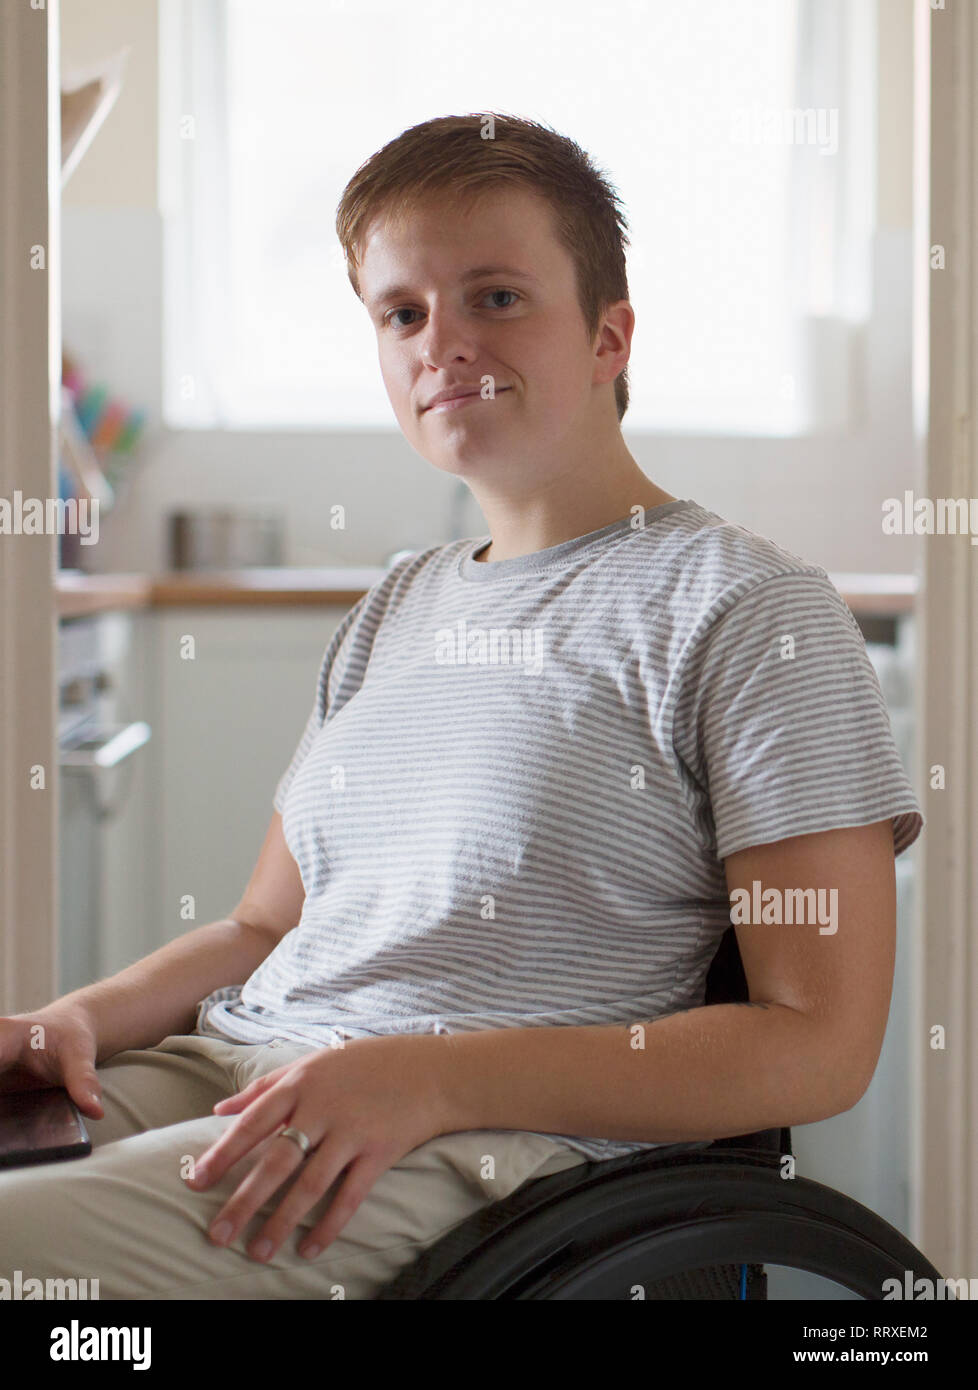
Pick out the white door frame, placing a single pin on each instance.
(30, 384)
(945, 1188)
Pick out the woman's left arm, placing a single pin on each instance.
(804, 1048)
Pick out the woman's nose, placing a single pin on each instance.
(446, 339)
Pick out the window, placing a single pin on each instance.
(739, 134)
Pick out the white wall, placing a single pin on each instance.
(819, 497)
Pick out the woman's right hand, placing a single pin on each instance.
(54, 1046)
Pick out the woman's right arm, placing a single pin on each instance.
(158, 995)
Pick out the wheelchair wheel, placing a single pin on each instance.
(702, 1229)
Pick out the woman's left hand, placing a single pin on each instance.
(362, 1106)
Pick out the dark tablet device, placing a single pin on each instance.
(39, 1127)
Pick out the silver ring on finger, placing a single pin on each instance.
(297, 1137)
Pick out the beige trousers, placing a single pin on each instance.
(123, 1215)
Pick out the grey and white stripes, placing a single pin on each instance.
(518, 781)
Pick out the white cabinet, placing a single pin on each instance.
(184, 817)
(104, 784)
(234, 688)
(129, 867)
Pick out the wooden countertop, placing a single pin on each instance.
(341, 585)
(870, 595)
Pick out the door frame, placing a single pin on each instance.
(945, 1082)
(30, 386)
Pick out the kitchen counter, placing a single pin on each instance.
(868, 595)
(81, 594)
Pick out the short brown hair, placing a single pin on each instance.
(450, 153)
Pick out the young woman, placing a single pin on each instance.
(539, 768)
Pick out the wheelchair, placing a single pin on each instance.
(676, 1222)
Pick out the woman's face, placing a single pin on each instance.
(485, 297)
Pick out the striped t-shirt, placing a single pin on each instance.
(519, 779)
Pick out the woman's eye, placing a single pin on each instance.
(390, 316)
(503, 306)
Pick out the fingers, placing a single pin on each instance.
(82, 1084)
(261, 1117)
(18, 1078)
(230, 1105)
(281, 1161)
(62, 1059)
(318, 1175)
(315, 1179)
(74, 1066)
(359, 1180)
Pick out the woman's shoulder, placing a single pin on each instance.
(727, 549)
(711, 565)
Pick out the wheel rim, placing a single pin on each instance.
(796, 1242)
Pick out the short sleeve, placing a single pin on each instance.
(781, 726)
(325, 687)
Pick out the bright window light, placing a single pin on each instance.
(694, 112)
